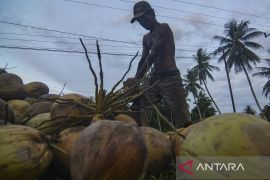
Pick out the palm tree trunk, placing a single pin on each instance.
(211, 97)
(251, 88)
(229, 82)
(197, 107)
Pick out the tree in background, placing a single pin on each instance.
(206, 107)
(249, 110)
(204, 69)
(223, 59)
(265, 72)
(237, 45)
(192, 86)
(266, 112)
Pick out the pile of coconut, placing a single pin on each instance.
(48, 136)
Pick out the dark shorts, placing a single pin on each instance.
(169, 87)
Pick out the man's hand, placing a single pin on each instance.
(130, 82)
(131, 86)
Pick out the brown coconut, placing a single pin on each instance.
(159, 151)
(6, 113)
(11, 87)
(36, 89)
(19, 107)
(24, 153)
(125, 118)
(69, 113)
(38, 108)
(44, 123)
(109, 150)
(66, 141)
(49, 97)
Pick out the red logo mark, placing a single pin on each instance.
(181, 167)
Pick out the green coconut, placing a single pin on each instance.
(234, 134)
(24, 153)
(227, 138)
(159, 153)
(109, 150)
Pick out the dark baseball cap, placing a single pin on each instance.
(140, 9)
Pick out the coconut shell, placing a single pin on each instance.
(109, 150)
(24, 153)
(159, 154)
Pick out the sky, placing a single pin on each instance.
(194, 23)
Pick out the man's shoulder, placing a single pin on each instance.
(164, 26)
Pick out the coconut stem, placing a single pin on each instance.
(91, 68)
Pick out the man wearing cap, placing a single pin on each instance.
(159, 51)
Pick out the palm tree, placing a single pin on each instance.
(191, 86)
(249, 110)
(237, 47)
(223, 58)
(204, 69)
(265, 72)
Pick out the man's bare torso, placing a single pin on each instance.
(161, 42)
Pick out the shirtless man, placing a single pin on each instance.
(159, 50)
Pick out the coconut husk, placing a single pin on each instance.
(6, 113)
(19, 108)
(12, 87)
(159, 154)
(38, 108)
(125, 118)
(109, 150)
(66, 141)
(36, 89)
(69, 113)
(24, 153)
